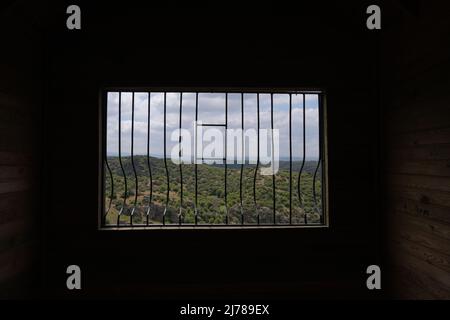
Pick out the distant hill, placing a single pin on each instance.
(211, 193)
(309, 166)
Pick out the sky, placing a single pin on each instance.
(211, 110)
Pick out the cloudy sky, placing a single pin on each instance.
(211, 110)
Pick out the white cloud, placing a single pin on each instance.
(211, 109)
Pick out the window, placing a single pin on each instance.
(213, 158)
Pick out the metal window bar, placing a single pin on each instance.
(124, 204)
(290, 158)
(321, 157)
(112, 190)
(225, 159)
(257, 159)
(318, 204)
(195, 162)
(165, 160)
(242, 160)
(150, 197)
(300, 197)
(132, 161)
(180, 215)
(274, 199)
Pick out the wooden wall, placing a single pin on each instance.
(21, 86)
(174, 45)
(416, 100)
(415, 72)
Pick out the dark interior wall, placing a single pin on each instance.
(416, 98)
(49, 112)
(317, 45)
(21, 98)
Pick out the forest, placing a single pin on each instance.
(147, 202)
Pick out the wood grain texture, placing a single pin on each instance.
(21, 62)
(417, 154)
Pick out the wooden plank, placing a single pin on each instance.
(10, 118)
(16, 232)
(433, 227)
(419, 153)
(419, 167)
(418, 207)
(426, 254)
(14, 172)
(14, 186)
(15, 158)
(15, 260)
(16, 101)
(400, 225)
(414, 114)
(425, 275)
(419, 182)
(19, 139)
(21, 285)
(424, 196)
(405, 285)
(420, 137)
(16, 205)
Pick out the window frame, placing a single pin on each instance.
(323, 145)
